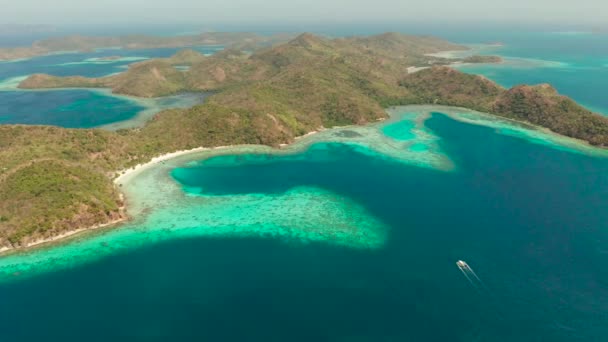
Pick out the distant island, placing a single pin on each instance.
(55, 180)
(134, 42)
(109, 58)
(482, 59)
(166, 76)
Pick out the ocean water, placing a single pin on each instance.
(87, 64)
(353, 235)
(81, 108)
(575, 63)
(66, 108)
(530, 221)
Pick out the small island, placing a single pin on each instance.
(478, 59)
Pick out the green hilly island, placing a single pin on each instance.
(80, 43)
(54, 180)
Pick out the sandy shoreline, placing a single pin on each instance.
(126, 174)
(61, 236)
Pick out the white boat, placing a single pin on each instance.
(462, 265)
(471, 276)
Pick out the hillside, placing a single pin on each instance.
(268, 97)
(540, 105)
(543, 106)
(384, 57)
(54, 179)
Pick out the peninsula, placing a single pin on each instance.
(56, 180)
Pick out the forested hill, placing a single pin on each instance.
(540, 105)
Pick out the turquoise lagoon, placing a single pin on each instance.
(82, 108)
(350, 234)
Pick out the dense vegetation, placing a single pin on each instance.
(71, 196)
(540, 105)
(55, 179)
(383, 58)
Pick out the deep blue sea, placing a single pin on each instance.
(530, 220)
(65, 108)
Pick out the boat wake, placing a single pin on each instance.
(471, 276)
(490, 299)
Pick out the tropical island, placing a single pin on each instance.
(134, 42)
(55, 180)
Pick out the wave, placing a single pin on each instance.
(12, 83)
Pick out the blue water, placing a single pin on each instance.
(58, 65)
(72, 108)
(65, 108)
(531, 221)
(576, 64)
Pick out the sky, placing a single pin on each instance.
(110, 12)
